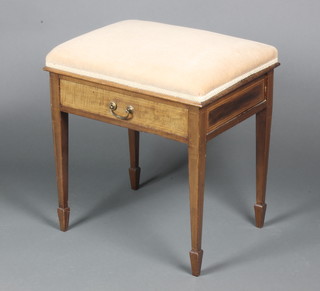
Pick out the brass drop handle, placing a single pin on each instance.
(129, 110)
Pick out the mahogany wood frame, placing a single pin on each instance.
(251, 96)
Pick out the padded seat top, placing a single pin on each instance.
(176, 61)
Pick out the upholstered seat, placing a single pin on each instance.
(176, 61)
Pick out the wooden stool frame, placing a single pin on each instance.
(180, 120)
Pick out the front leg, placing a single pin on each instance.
(196, 165)
(60, 138)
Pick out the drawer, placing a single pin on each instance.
(149, 114)
(234, 104)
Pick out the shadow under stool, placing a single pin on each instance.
(184, 84)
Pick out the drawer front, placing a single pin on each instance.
(147, 113)
(234, 104)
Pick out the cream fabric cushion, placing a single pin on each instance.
(176, 61)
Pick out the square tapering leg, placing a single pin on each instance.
(263, 128)
(134, 170)
(196, 165)
(60, 137)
